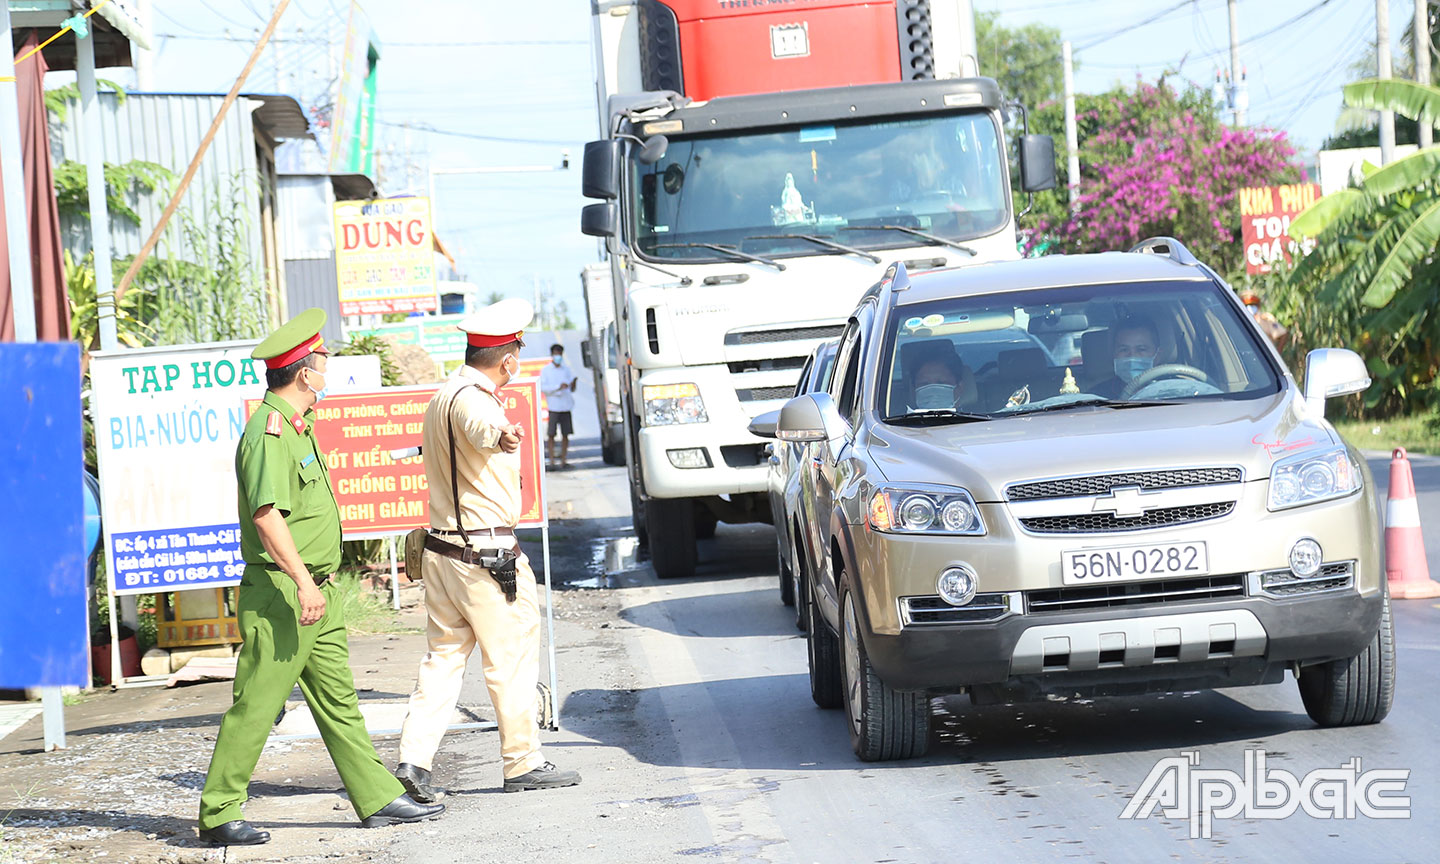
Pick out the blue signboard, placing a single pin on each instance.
(43, 642)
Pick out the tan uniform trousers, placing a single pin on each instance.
(466, 607)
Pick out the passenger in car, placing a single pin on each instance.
(1137, 341)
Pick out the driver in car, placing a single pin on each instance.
(1137, 341)
(942, 383)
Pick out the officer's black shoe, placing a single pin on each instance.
(237, 833)
(547, 776)
(402, 809)
(417, 783)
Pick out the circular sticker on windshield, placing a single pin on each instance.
(933, 320)
(913, 323)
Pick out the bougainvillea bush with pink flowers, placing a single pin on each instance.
(1160, 161)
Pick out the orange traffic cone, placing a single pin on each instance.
(1405, 565)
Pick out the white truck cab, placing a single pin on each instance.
(758, 170)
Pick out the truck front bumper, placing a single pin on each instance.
(736, 461)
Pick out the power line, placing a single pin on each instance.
(424, 127)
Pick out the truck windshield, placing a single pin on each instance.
(943, 175)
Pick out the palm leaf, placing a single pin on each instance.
(1414, 170)
(1395, 94)
(1324, 213)
(1417, 243)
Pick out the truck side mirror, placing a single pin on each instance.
(1037, 162)
(598, 220)
(600, 169)
(585, 352)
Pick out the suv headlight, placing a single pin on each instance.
(668, 404)
(924, 510)
(1312, 477)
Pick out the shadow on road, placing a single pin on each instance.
(717, 616)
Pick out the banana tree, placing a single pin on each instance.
(1374, 270)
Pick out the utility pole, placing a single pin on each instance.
(145, 60)
(1382, 61)
(1072, 138)
(1422, 67)
(1236, 74)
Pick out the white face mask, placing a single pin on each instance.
(935, 397)
(324, 387)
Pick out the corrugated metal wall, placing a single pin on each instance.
(167, 129)
(311, 282)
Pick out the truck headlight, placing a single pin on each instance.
(924, 510)
(669, 404)
(1312, 477)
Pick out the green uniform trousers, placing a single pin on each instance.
(278, 652)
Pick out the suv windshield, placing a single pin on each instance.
(943, 175)
(1000, 355)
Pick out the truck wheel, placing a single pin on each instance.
(823, 650)
(637, 517)
(884, 723)
(671, 525)
(787, 580)
(1357, 690)
(705, 523)
(613, 453)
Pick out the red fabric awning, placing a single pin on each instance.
(52, 307)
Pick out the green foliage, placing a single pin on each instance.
(372, 344)
(1024, 60)
(58, 101)
(72, 195)
(1371, 282)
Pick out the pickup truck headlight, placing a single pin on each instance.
(924, 510)
(1312, 477)
(669, 404)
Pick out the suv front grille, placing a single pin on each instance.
(1072, 487)
(1155, 593)
(1107, 523)
(917, 611)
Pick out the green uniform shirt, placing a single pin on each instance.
(280, 464)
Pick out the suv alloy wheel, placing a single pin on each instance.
(884, 723)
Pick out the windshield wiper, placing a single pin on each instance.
(818, 241)
(1087, 403)
(914, 232)
(927, 418)
(724, 250)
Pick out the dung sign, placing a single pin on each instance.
(1265, 216)
(384, 256)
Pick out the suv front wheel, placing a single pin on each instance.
(884, 723)
(1357, 690)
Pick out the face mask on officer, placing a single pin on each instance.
(931, 397)
(320, 392)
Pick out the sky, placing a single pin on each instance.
(511, 85)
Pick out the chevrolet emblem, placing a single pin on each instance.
(1126, 502)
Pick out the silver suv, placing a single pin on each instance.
(1171, 512)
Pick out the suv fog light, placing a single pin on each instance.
(689, 457)
(1305, 557)
(956, 585)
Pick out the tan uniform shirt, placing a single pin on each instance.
(489, 479)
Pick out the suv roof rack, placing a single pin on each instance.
(1167, 246)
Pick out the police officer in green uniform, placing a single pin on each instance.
(290, 540)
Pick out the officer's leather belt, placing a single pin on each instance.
(464, 554)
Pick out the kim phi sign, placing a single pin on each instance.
(1265, 215)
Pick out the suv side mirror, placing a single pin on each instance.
(599, 220)
(1037, 162)
(600, 169)
(1332, 372)
(809, 418)
(763, 426)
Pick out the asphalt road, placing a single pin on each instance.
(686, 706)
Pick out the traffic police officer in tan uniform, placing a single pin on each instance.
(479, 588)
(292, 631)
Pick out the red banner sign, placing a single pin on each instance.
(380, 495)
(1265, 214)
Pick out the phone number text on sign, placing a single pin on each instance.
(180, 558)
